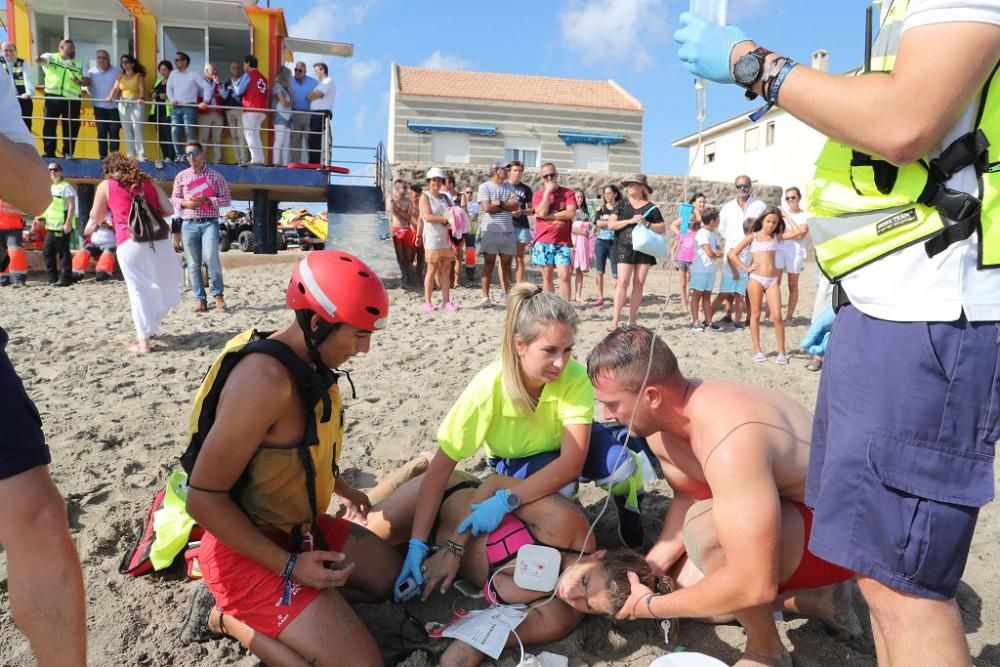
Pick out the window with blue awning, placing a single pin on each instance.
(426, 127)
(571, 137)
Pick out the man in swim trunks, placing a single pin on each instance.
(738, 477)
(400, 208)
(266, 433)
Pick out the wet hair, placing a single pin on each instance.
(709, 214)
(585, 207)
(530, 311)
(623, 356)
(770, 210)
(127, 169)
(616, 566)
(695, 197)
(165, 63)
(250, 60)
(748, 225)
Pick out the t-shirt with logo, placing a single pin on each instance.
(523, 193)
(545, 230)
(502, 220)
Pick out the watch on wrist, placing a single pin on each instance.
(749, 69)
(512, 500)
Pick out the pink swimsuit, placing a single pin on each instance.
(764, 246)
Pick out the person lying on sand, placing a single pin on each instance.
(738, 477)
(266, 433)
(594, 583)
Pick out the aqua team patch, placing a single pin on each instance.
(909, 216)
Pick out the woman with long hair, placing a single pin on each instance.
(152, 273)
(604, 248)
(160, 111)
(533, 408)
(583, 243)
(281, 118)
(130, 90)
(633, 265)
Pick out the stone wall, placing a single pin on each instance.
(667, 190)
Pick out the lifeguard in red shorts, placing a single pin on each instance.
(265, 436)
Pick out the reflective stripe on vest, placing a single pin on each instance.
(55, 214)
(18, 75)
(866, 208)
(59, 75)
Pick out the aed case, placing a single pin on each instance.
(537, 568)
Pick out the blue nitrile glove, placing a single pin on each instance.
(705, 48)
(487, 515)
(415, 556)
(819, 333)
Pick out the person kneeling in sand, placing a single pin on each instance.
(591, 582)
(739, 480)
(266, 433)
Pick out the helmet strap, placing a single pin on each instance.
(313, 339)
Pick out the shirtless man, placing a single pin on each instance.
(400, 208)
(418, 242)
(266, 434)
(738, 477)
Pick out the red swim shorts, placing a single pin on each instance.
(813, 571)
(404, 236)
(251, 593)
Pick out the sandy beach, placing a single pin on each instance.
(116, 425)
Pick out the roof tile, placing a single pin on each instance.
(492, 86)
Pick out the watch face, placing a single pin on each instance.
(513, 500)
(747, 70)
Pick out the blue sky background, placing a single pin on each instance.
(630, 41)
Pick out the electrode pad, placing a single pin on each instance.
(537, 568)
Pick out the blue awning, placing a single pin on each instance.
(424, 127)
(571, 137)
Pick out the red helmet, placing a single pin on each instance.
(339, 288)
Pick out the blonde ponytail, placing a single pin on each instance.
(530, 311)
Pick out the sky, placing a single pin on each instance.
(630, 41)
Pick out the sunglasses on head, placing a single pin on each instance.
(546, 177)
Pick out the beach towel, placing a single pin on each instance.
(153, 277)
(459, 222)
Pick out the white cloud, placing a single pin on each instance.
(438, 60)
(595, 34)
(360, 116)
(326, 18)
(361, 71)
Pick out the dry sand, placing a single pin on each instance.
(116, 424)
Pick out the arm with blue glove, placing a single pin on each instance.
(487, 515)
(819, 333)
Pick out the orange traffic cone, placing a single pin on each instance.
(81, 260)
(106, 265)
(18, 266)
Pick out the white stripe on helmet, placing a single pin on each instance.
(318, 294)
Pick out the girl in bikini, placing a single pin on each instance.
(764, 240)
(597, 583)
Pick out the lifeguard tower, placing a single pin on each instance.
(210, 31)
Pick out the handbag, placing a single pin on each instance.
(145, 224)
(647, 241)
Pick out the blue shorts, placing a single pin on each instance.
(525, 236)
(730, 286)
(702, 281)
(604, 452)
(604, 250)
(551, 254)
(906, 422)
(22, 445)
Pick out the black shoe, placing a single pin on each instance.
(630, 530)
(4, 281)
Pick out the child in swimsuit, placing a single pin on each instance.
(764, 241)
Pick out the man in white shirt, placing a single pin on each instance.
(321, 98)
(908, 411)
(731, 218)
(44, 579)
(184, 88)
(102, 80)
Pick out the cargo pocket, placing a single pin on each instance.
(991, 424)
(914, 494)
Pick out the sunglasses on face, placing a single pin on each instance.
(299, 69)
(194, 153)
(54, 171)
(546, 177)
(745, 186)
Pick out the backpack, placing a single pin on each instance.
(145, 224)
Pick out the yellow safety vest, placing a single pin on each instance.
(55, 214)
(59, 75)
(865, 208)
(281, 487)
(18, 77)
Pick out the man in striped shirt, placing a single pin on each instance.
(199, 193)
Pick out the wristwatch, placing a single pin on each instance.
(513, 501)
(748, 70)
